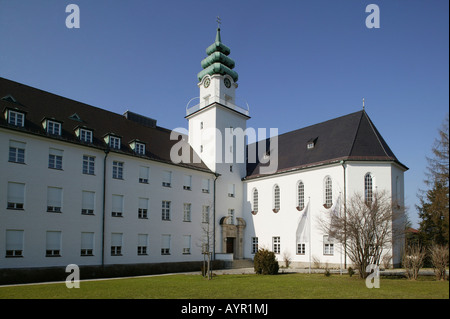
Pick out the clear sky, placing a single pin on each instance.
(299, 62)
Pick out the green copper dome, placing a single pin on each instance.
(217, 61)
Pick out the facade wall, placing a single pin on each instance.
(34, 219)
(265, 224)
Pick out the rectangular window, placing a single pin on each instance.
(254, 245)
(205, 185)
(186, 244)
(117, 206)
(87, 202)
(53, 244)
(116, 244)
(167, 179)
(55, 158)
(276, 245)
(16, 195)
(53, 127)
(205, 214)
(231, 190)
(143, 208)
(16, 118)
(142, 244)
(85, 135)
(88, 165)
(186, 212)
(87, 244)
(14, 243)
(230, 217)
(117, 172)
(54, 199)
(144, 173)
(165, 210)
(301, 248)
(165, 244)
(114, 142)
(187, 180)
(16, 152)
(140, 148)
(328, 245)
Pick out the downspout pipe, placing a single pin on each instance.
(214, 216)
(104, 206)
(345, 215)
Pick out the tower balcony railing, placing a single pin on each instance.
(214, 99)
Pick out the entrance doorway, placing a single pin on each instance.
(230, 245)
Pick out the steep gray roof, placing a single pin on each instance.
(352, 137)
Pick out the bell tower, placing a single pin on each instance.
(216, 133)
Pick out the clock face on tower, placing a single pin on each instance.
(227, 82)
(207, 82)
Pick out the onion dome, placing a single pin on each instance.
(217, 61)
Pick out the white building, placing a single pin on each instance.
(81, 185)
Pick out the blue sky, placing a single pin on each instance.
(299, 62)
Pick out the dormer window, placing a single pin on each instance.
(138, 147)
(52, 127)
(84, 134)
(311, 143)
(15, 118)
(113, 141)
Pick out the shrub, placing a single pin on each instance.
(351, 272)
(439, 258)
(265, 262)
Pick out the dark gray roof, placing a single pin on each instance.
(38, 104)
(350, 137)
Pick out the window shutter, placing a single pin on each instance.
(87, 240)
(14, 240)
(54, 196)
(88, 199)
(117, 203)
(16, 192)
(116, 239)
(53, 240)
(142, 240)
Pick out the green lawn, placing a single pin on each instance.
(283, 286)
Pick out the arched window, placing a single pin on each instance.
(276, 199)
(328, 195)
(300, 195)
(255, 201)
(368, 189)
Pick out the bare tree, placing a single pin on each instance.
(413, 260)
(366, 230)
(439, 257)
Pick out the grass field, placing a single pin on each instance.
(284, 286)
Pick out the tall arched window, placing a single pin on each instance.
(328, 195)
(255, 201)
(276, 199)
(368, 188)
(300, 195)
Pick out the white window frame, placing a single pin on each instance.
(205, 185)
(301, 248)
(300, 195)
(187, 212)
(276, 198)
(87, 244)
(144, 174)
(16, 152)
(328, 192)
(53, 244)
(231, 216)
(328, 245)
(116, 244)
(187, 182)
(14, 243)
(205, 214)
(255, 201)
(114, 142)
(16, 118)
(87, 202)
(117, 205)
(167, 178)
(255, 245)
(186, 244)
(88, 167)
(276, 244)
(85, 135)
(165, 210)
(139, 148)
(143, 208)
(15, 196)
(117, 170)
(368, 188)
(54, 199)
(53, 127)
(165, 244)
(55, 159)
(142, 247)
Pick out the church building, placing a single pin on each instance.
(82, 185)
